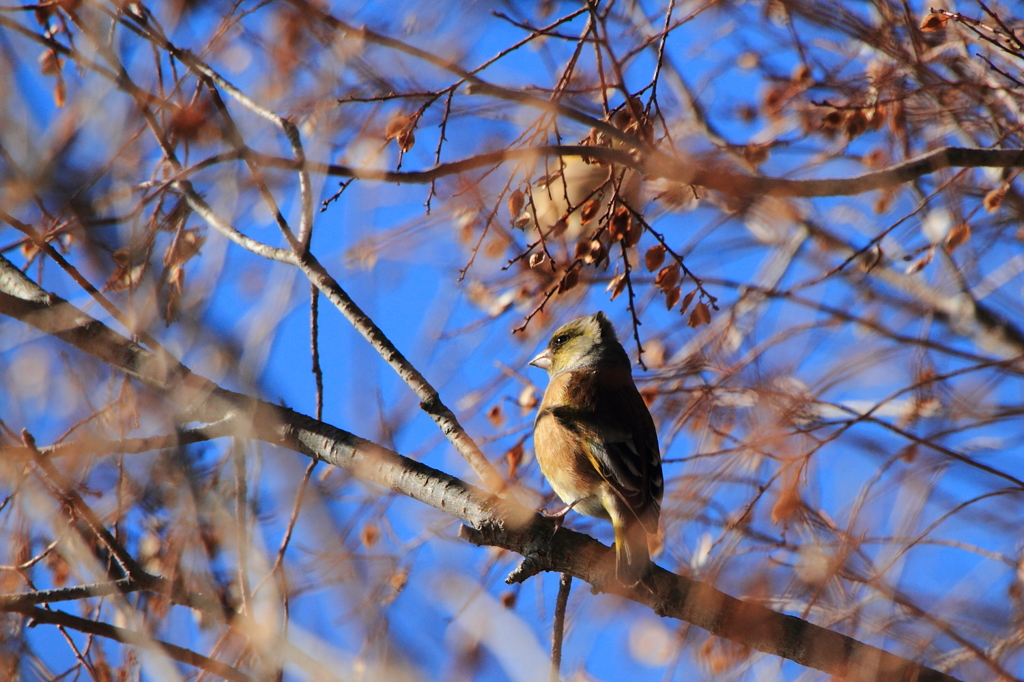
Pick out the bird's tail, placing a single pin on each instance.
(632, 557)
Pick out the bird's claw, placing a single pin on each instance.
(559, 516)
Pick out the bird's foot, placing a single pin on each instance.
(559, 516)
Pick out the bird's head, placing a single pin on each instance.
(584, 342)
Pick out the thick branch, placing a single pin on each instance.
(675, 596)
(688, 170)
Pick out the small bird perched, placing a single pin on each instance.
(595, 440)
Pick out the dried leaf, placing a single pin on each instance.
(616, 286)
(60, 93)
(528, 398)
(582, 250)
(667, 277)
(369, 535)
(516, 202)
(654, 257)
(176, 281)
(559, 228)
(514, 457)
(397, 125)
(597, 252)
(788, 503)
(721, 655)
(191, 120)
(569, 280)
(537, 258)
(876, 117)
(496, 416)
(934, 22)
(755, 154)
(589, 211)
(672, 297)
(50, 63)
(957, 236)
(856, 124)
(897, 118)
(801, 75)
(994, 199)
(870, 259)
(700, 315)
(920, 264)
(686, 301)
(395, 585)
(832, 120)
(406, 140)
(632, 237)
(619, 226)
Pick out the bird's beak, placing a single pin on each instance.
(543, 359)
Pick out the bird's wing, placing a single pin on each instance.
(623, 449)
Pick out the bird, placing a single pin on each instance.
(595, 439)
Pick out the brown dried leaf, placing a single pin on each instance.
(589, 211)
(559, 228)
(801, 75)
(582, 250)
(922, 262)
(29, 250)
(406, 140)
(876, 117)
(672, 297)
(934, 22)
(396, 126)
(369, 535)
(619, 226)
(50, 63)
(870, 259)
(395, 585)
(514, 457)
(60, 93)
(721, 655)
(516, 202)
(897, 118)
(616, 286)
(686, 301)
(191, 120)
(597, 252)
(528, 399)
(667, 277)
(496, 416)
(832, 120)
(654, 257)
(856, 124)
(755, 154)
(632, 237)
(958, 236)
(537, 258)
(570, 280)
(701, 315)
(994, 199)
(788, 503)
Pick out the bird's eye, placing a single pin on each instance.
(559, 340)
